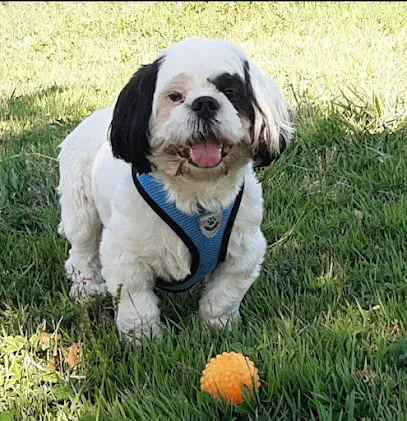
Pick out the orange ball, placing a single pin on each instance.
(225, 375)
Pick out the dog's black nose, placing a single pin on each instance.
(205, 106)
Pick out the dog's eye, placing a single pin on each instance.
(176, 97)
(231, 94)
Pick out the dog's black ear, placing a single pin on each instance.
(263, 156)
(272, 123)
(131, 116)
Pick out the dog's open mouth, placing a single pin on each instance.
(206, 153)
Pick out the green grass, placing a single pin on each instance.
(332, 297)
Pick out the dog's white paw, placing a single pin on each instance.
(136, 333)
(225, 321)
(86, 287)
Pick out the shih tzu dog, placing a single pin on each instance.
(159, 190)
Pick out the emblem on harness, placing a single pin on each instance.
(210, 224)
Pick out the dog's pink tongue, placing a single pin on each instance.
(205, 154)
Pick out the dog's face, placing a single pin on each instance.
(200, 110)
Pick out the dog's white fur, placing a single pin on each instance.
(118, 243)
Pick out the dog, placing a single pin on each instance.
(191, 126)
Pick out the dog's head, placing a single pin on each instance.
(199, 110)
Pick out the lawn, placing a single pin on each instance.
(326, 321)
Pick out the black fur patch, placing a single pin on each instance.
(237, 92)
(131, 116)
(241, 95)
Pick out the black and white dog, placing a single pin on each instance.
(195, 121)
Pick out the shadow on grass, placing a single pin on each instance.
(22, 107)
(31, 255)
(334, 220)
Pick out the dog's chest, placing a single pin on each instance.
(170, 259)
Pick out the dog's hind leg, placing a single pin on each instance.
(80, 221)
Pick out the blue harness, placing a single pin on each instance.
(206, 234)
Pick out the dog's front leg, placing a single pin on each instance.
(229, 283)
(130, 281)
(138, 316)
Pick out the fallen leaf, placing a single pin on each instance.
(53, 361)
(393, 330)
(363, 374)
(72, 355)
(45, 336)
